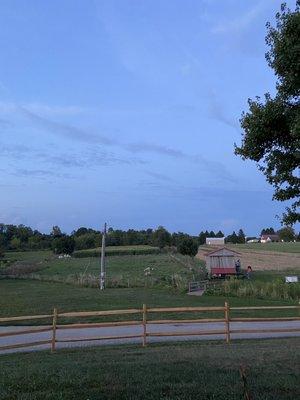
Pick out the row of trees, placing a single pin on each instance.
(13, 237)
(286, 234)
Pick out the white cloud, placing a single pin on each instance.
(241, 22)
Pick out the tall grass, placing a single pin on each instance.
(175, 281)
(277, 289)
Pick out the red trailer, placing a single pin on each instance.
(221, 262)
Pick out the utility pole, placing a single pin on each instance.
(102, 272)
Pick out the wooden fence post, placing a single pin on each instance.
(144, 325)
(227, 322)
(53, 341)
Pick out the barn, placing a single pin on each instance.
(221, 262)
(215, 241)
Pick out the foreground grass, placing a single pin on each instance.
(29, 297)
(172, 371)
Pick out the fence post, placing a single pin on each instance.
(227, 322)
(53, 341)
(144, 325)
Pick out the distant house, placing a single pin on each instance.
(215, 241)
(269, 238)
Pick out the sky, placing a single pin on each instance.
(127, 111)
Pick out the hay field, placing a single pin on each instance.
(260, 259)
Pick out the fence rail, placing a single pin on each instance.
(144, 323)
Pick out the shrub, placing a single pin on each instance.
(188, 247)
(63, 245)
(275, 290)
(116, 252)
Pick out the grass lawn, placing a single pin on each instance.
(30, 297)
(171, 371)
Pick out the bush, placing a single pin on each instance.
(275, 290)
(63, 245)
(188, 247)
(116, 252)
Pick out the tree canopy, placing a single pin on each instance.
(271, 126)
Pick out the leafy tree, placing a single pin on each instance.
(56, 232)
(178, 237)
(188, 247)
(115, 238)
(80, 231)
(86, 241)
(268, 231)
(272, 126)
(202, 238)
(161, 237)
(219, 234)
(287, 234)
(63, 245)
(2, 252)
(233, 238)
(241, 236)
(15, 243)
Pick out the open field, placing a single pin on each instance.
(122, 271)
(172, 371)
(41, 281)
(264, 256)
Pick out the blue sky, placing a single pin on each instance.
(127, 112)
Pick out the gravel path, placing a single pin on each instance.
(89, 333)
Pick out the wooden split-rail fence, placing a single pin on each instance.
(143, 322)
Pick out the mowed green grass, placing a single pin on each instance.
(185, 371)
(31, 297)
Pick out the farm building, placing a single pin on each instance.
(221, 262)
(269, 238)
(215, 241)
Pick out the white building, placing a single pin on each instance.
(215, 241)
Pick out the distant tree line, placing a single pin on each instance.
(21, 237)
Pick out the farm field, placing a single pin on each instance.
(282, 247)
(264, 256)
(171, 371)
(40, 281)
(122, 271)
